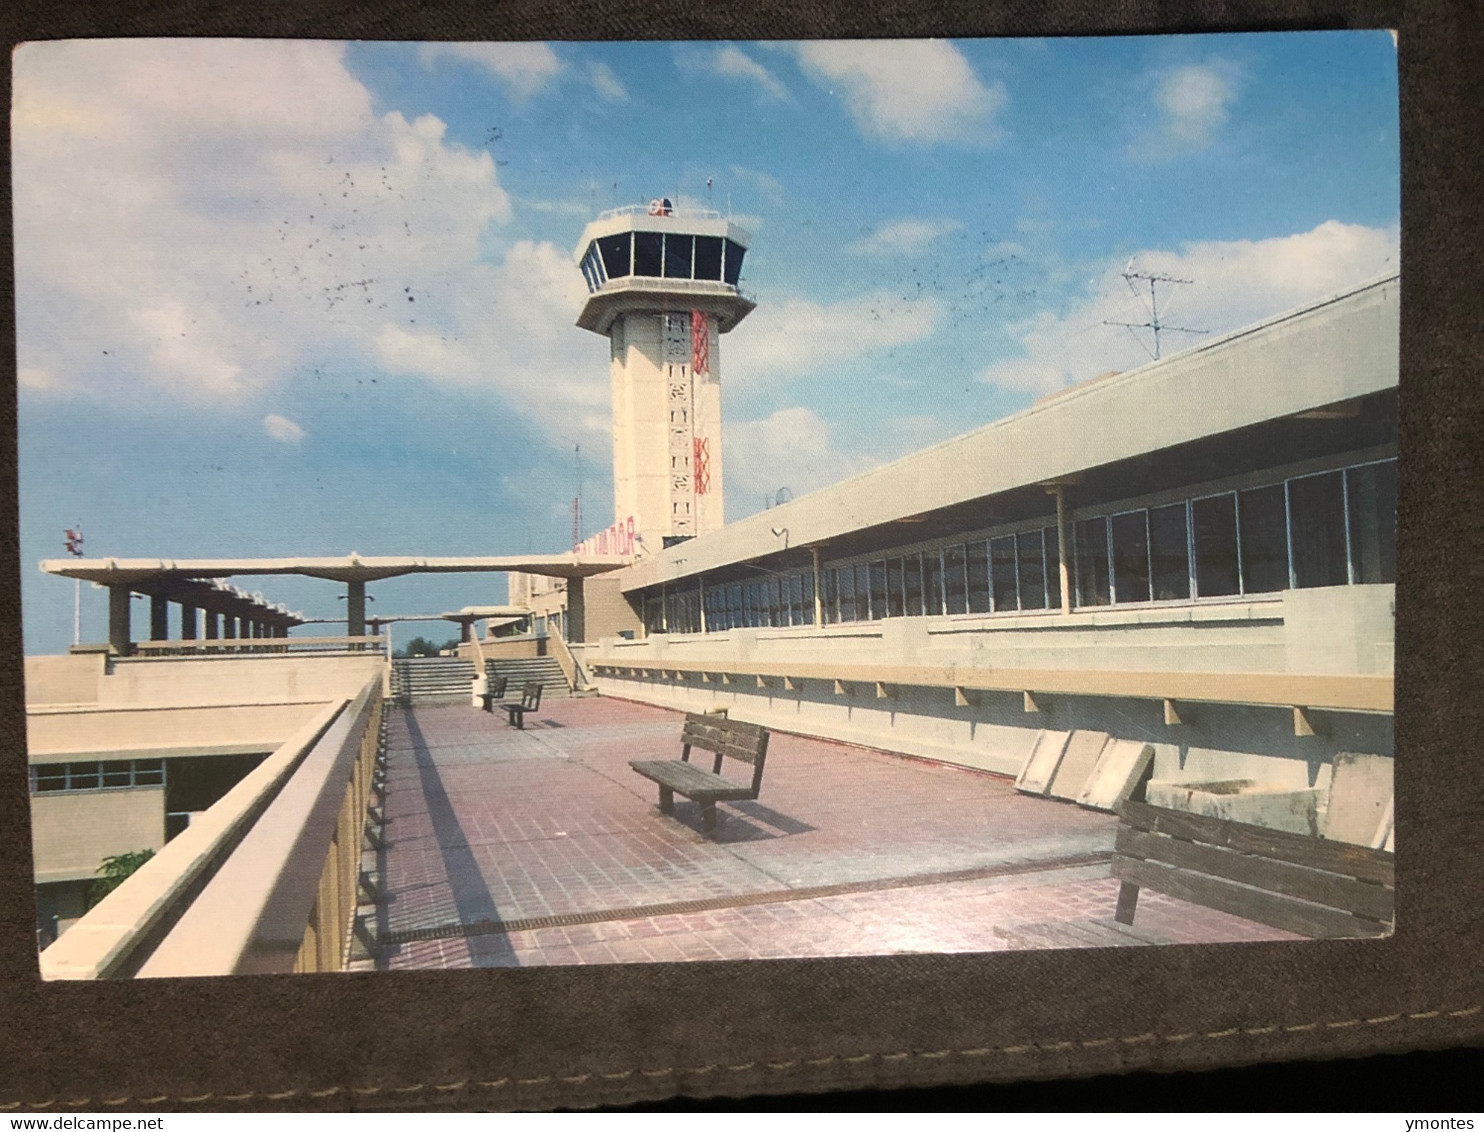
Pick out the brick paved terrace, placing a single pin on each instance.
(518, 848)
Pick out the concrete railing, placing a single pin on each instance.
(264, 881)
(1281, 689)
(269, 646)
(571, 666)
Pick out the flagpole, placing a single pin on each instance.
(77, 611)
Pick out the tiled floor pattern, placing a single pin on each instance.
(489, 823)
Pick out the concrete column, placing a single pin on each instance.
(1063, 548)
(466, 631)
(355, 609)
(159, 617)
(187, 622)
(229, 627)
(213, 621)
(118, 619)
(818, 595)
(576, 612)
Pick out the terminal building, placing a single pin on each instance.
(1199, 554)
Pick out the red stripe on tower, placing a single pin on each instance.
(700, 343)
(701, 464)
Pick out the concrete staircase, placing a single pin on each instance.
(432, 680)
(543, 670)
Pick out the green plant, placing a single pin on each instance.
(116, 870)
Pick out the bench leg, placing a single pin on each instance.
(708, 818)
(1128, 898)
(667, 800)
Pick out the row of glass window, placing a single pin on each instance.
(1325, 529)
(116, 774)
(662, 255)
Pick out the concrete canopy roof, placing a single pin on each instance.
(141, 573)
(1325, 354)
(500, 613)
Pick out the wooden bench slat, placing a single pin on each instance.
(1278, 911)
(1371, 901)
(721, 741)
(693, 783)
(741, 754)
(1373, 865)
(724, 726)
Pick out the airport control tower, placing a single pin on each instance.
(662, 285)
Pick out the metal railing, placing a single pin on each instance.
(266, 880)
(674, 213)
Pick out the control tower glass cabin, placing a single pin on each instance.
(662, 286)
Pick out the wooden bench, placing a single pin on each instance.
(494, 692)
(725, 738)
(1317, 888)
(515, 710)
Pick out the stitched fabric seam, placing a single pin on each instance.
(749, 1066)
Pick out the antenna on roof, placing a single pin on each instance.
(1134, 279)
(577, 503)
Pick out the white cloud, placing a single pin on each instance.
(783, 340)
(606, 83)
(1192, 102)
(904, 237)
(282, 429)
(172, 256)
(767, 187)
(523, 68)
(1235, 283)
(793, 448)
(732, 62)
(907, 90)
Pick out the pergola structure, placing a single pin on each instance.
(187, 580)
(463, 618)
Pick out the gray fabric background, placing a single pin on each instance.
(611, 1035)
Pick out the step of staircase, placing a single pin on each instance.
(519, 671)
(432, 679)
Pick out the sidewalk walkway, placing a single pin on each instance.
(518, 848)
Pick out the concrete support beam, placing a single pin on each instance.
(159, 617)
(1172, 714)
(1304, 723)
(576, 613)
(466, 630)
(881, 692)
(355, 609)
(118, 619)
(961, 698)
(1030, 704)
(1063, 548)
(229, 627)
(187, 622)
(213, 624)
(818, 593)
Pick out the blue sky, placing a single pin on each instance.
(307, 298)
